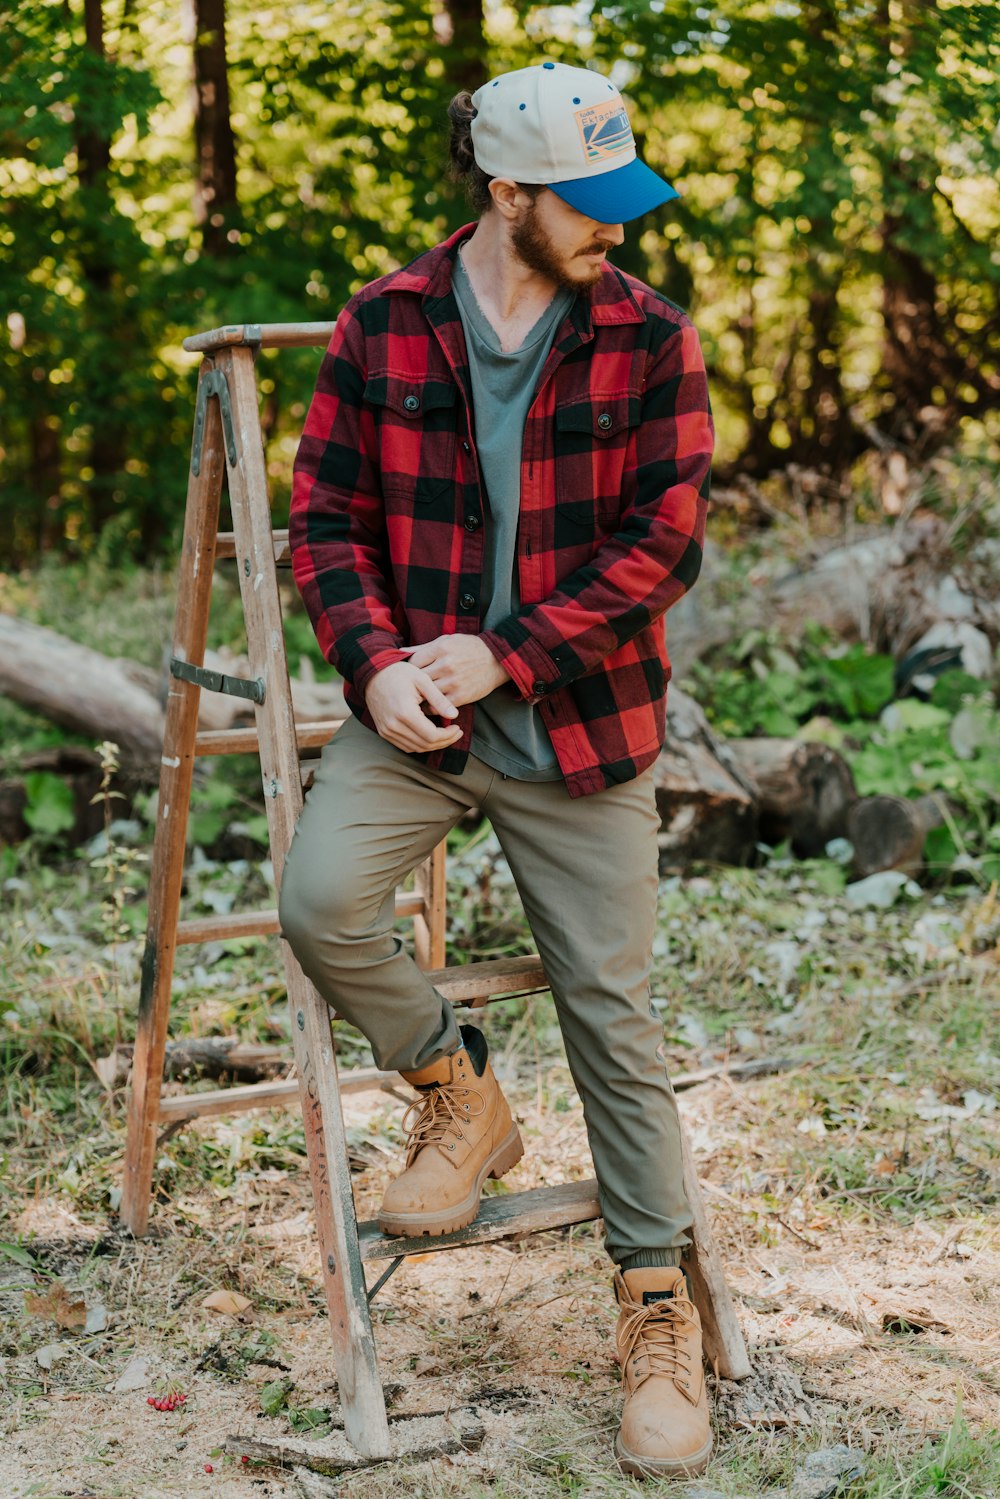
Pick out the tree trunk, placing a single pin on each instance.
(459, 27)
(216, 205)
(108, 449)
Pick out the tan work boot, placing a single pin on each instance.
(461, 1131)
(665, 1428)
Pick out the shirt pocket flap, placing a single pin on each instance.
(409, 397)
(601, 416)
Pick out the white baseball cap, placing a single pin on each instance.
(565, 128)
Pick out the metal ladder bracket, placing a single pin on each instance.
(213, 384)
(253, 688)
(394, 1266)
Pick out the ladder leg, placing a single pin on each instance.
(722, 1335)
(430, 880)
(194, 582)
(362, 1397)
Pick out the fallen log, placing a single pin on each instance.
(204, 1056)
(707, 803)
(411, 1439)
(806, 791)
(83, 690)
(103, 697)
(889, 832)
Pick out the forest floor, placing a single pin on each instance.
(850, 1195)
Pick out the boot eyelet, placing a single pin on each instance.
(451, 1147)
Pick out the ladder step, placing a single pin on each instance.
(472, 984)
(265, 923)
(512, 1215)
(225, 546)
(267, 1095)
(245, 741)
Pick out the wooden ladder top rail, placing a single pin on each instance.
(227, 441)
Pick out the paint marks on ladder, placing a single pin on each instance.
(172, 761)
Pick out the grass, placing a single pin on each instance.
(879, 1138)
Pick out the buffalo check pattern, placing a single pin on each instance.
(388, 510)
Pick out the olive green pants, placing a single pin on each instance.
(586, 872)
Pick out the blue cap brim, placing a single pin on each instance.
(615, 197)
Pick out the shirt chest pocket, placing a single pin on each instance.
(591, 445)
(417, 436)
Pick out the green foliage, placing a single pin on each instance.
(49, 810)
(771, 691)
(827, 156)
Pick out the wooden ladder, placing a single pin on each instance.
(227, 436)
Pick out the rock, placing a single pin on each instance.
(50, 1354)
(823, 1473)
(976, 652)
(881, 890)
(134, 1376)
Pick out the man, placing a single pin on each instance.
(500, 489)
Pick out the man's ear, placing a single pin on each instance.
(508, 199)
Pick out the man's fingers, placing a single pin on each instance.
(419, 655)
(416, 725)
(435, 698)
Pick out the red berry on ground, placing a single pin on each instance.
(150, 1399)
(244, 1458)
(209, 1468)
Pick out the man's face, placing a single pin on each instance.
(561, 243)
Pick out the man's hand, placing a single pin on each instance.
(395, 697)
(460, 665)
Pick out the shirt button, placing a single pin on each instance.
(472, 523)
(466, 447)
(604, 421)
(538, 688)
(467, 602)
(411, 403)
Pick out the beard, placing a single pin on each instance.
(534, 247)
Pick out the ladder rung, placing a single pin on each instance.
(513, 1215)
(225, 545)
(467, 983)
(263, 1095)
(245, 741)
(265, 923)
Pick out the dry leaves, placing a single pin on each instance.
(56, 1305)
(227, 1303)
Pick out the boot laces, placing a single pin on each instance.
(438, 1113)
(656, 1337)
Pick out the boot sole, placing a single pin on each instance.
(417, 1225)
(649, 1467)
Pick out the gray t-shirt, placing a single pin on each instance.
(507, 732)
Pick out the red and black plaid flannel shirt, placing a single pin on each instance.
(387, 507)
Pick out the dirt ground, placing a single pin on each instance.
(522, 1333)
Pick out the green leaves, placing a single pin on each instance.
(50, 810)
(775, 692)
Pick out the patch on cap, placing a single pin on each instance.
(604, 130)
